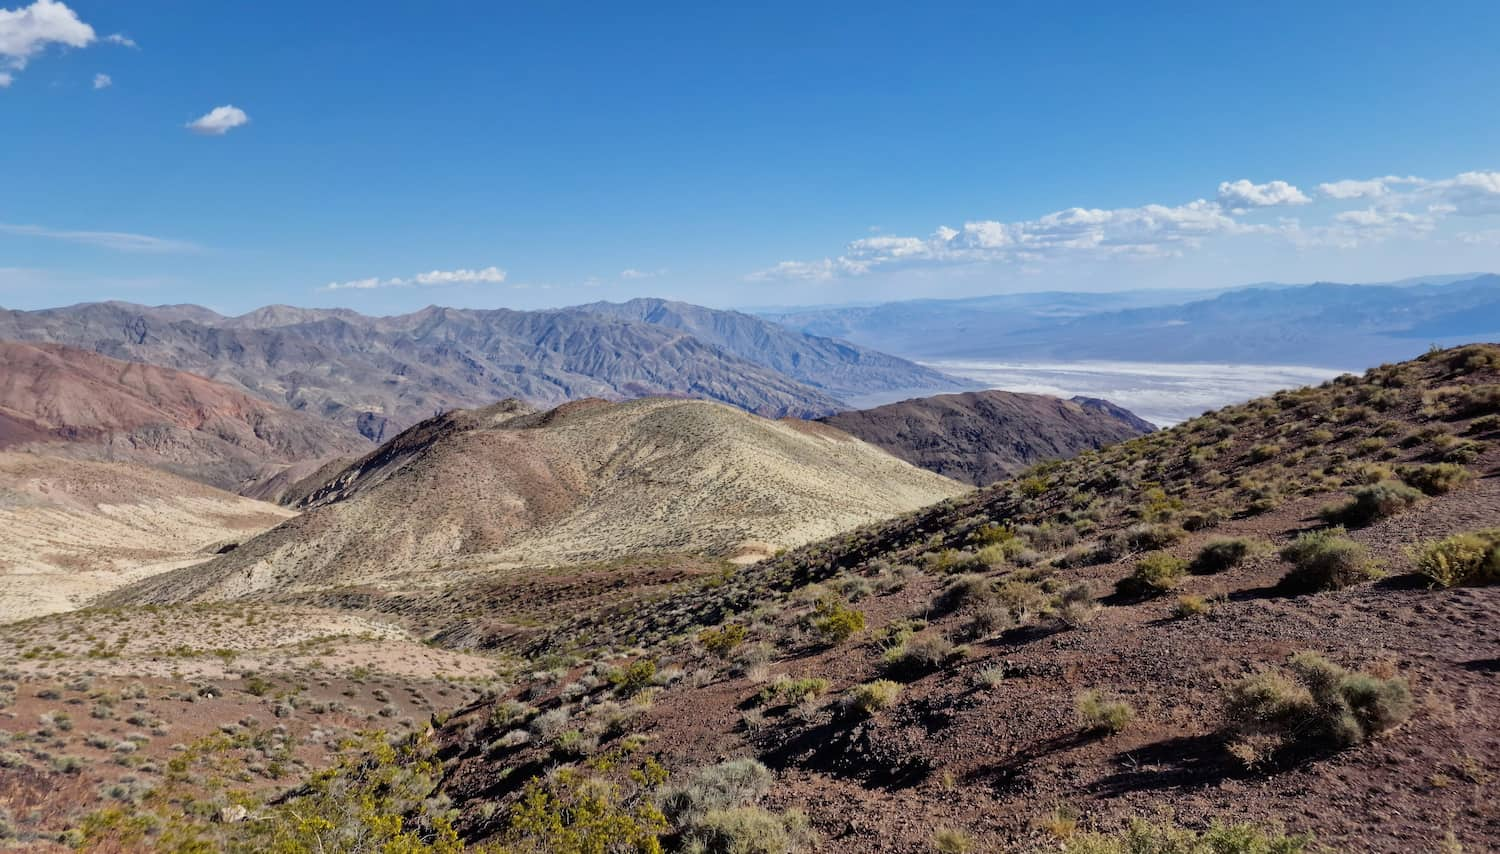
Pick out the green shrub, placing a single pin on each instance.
(1435, 478)
(964, 590)
(835, 621)
(1263, 453)
(723, 640)
(748, 830)
(1222, 554)
(571, 811)
(1370, 504)
(1190, 605)
(871, 697)
(1144, 837)
(1471, 558)
(1318, 707)
(789, 691)
(1326, 560)
(634, 677)
(1100, 713)
(728, 784)
(1155, 573)
(921, 655)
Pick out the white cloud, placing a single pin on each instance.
(120, 39)
(29, 30)
(219, 121)
(1490, 237)
(103, 81)
(635, 274)
(120, 240)
(432, 278)
(1243, 194)
(1469, 194)
(6, 78)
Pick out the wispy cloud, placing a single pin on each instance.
(432, 278)
(633, 274)
(219, 121)
(119, 240)
(103, 81)
(121, 39)
(1390, 207)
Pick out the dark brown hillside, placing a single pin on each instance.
(973, 608)
(64, 400)
(980, 437)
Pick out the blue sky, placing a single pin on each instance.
(524, 155)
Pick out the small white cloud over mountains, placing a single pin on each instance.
(103, 81)
(432, 278)
(1391, 207)
(219, 121)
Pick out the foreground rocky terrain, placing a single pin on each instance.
(1268, 629)
(980, 437)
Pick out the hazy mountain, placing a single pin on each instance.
(981, 437)
(383, 374)
(502, 486)
(1320, 324)
(62, 400)
(838, 367)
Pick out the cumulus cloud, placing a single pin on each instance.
(432, 278)
(29, 30)
(1243, 194)
(120, 39)
(103, 81)
(118, 240)
(219, 121)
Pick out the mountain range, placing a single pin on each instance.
(381, 375)
(1322, 324)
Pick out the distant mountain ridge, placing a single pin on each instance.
(382, 374)
(63, 400)
(1321, 324)
(985, 436)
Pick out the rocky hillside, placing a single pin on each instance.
(1270, 628)
(983, 436)
(380, 375)
(840, 368)
(474, 491)
(61, 400)
(75, 529)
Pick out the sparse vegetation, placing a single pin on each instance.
(1154, 574)
(1165, 837)
(1471, 558)
(1221, 554)
(871, 697)
(1370, 504)
(1326, 560)
(1100, 712)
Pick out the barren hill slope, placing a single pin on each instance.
(980, 437)
(588, 481)
(76, 528)
(64, 400)
(1278, 615)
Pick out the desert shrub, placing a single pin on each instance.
(723, 640)
(1471, 558)
(1076, 605)
(1316, 706)
(634, 677)
(748, 830)
(729, 784)
(1370, 504)
(948, 561)
(921, 655)
(1190, 605)
(1222, 554)
(835, 621)
(1326, 560)
(788, 691)
(1155, 573)
(964, 590)
(1098, 712)
(1145, 837)
(948, 840)
(1139, 538)
(871, 697)
(1485, 424)
(572, 811)
(1474, 357)
(1263, 453)
(1200, 520)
